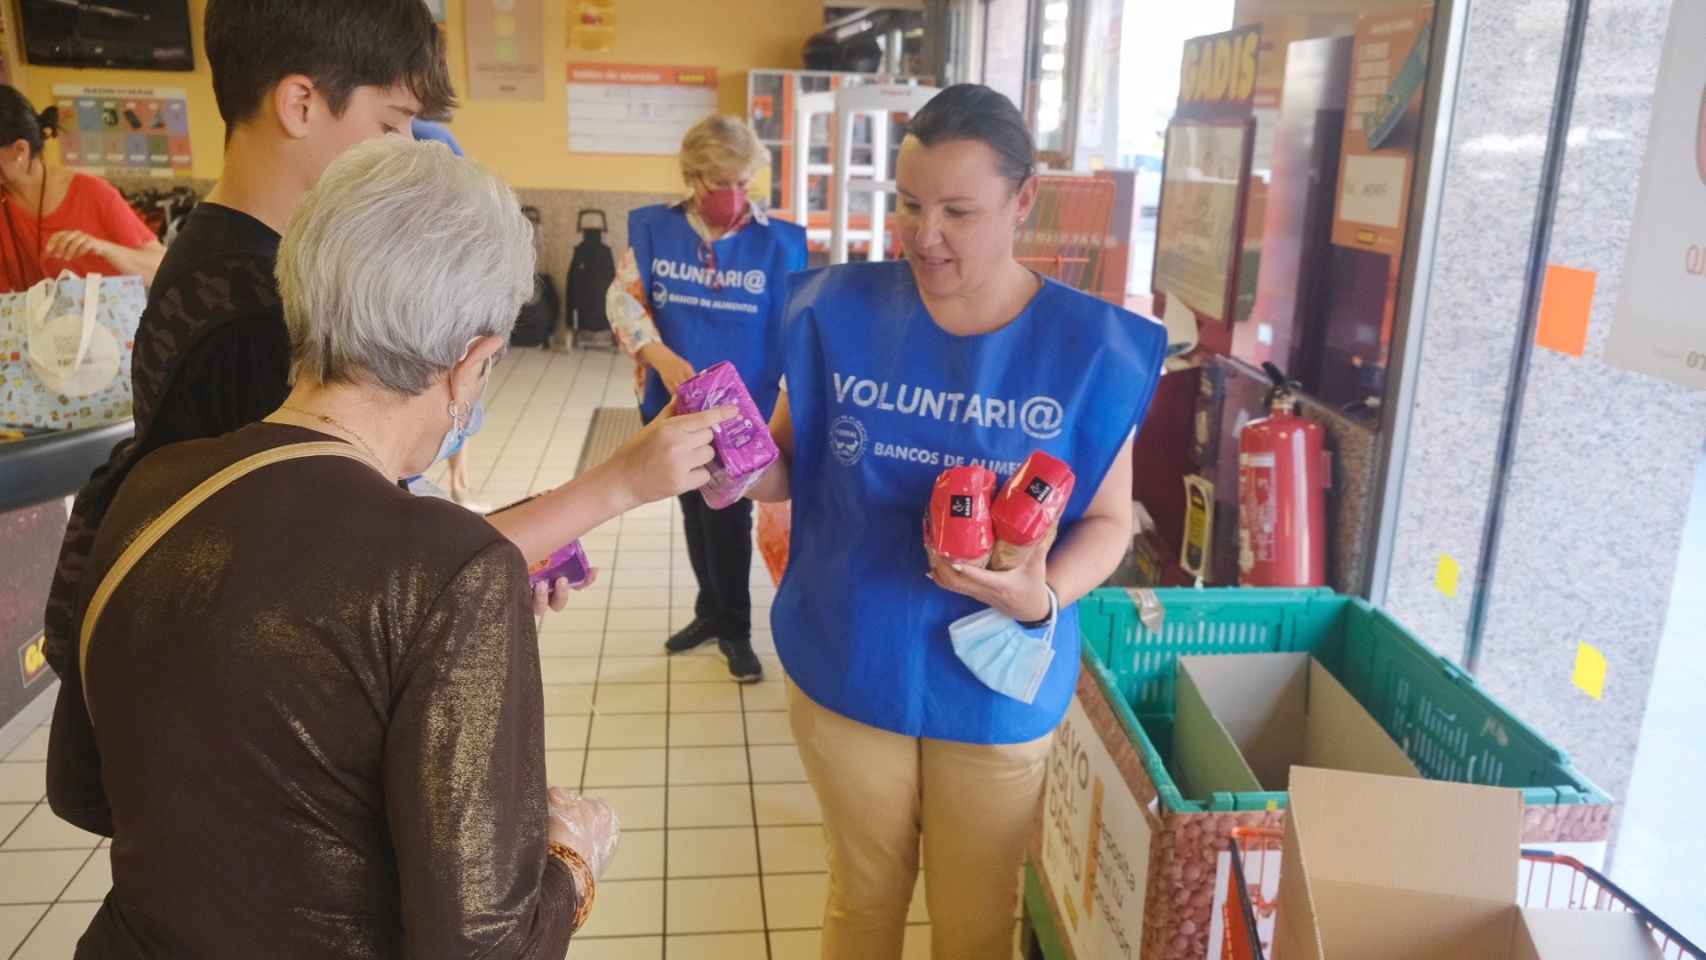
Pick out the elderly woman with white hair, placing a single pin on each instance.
(317, 699)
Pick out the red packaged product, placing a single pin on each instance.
(958, 526)
(1029, 508)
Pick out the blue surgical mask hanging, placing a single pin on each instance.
(1008, 658)
(460, 429)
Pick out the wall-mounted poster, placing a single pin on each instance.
(617, 108)
(1659, 329)
(120, 131)
(506, 49)
(1204, 180)
(1202, 205)
(1389, 69)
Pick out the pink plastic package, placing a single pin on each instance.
(742, 443)
(569, 562)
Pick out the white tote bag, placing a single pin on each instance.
(65, 351)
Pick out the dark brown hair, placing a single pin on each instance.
(20, 121)
(969, 111)
(339, 44)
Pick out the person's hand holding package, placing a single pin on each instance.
(667, 458)
(670, 455)
(551, 594)
(584, 832)
(742, 446)
(1021, 523)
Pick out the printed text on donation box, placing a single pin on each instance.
(1095, 845)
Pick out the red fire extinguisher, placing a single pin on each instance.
(1283, 475)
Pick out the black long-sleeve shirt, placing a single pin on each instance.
(212, 355)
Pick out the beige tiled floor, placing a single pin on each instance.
(722, 852)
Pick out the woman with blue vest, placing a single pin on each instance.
(957, 354)
(703, 281)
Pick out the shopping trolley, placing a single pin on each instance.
(1252, 901)
(1545, 880)
(1551, 881)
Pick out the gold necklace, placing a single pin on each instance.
(378, 461)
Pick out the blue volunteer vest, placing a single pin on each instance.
(734, 316)
(882, 399)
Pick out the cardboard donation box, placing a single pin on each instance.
(1405, 869)
(1243, 722)
(1183, 734)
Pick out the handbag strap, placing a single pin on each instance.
(39, 302)
(163, 524)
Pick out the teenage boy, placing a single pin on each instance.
(297, 82)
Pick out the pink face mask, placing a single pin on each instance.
(722, 209)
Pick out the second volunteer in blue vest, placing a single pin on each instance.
(704, 281)
(956, 354)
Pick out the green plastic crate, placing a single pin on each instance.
(1441, 717)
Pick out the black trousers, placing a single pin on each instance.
(719, 545)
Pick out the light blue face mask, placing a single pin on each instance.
(1008, 658)
(460, 429)
(459, 432)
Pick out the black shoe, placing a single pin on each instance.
(743, 663)
(691, 636)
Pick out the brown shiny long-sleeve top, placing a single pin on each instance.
(319, 722)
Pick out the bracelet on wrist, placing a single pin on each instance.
(1053, 612)
(586, 886)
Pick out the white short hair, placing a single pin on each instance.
(399, 256)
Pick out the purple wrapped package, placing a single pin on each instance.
(569, 562)
(742, 443)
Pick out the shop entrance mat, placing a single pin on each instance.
(611, 427)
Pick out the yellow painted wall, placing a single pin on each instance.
(527, 142)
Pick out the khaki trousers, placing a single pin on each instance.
(974, 806)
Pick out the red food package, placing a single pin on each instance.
(958, 526)
(1029, 508)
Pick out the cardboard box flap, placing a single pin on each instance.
(1366, 922)
(1207, 752)
(1295, 933)
(1242, 722)
(1582, 935)
(1342, 735)
(1420, 835)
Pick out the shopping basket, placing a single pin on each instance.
(1551, 881)
(1546, 881)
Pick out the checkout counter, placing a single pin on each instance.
(38, 476)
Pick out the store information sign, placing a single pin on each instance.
(615, 108)
(1659, 328)
(1202, 195)
(506, 49)
(122, 131)
(1389, 69)
(1095, 844)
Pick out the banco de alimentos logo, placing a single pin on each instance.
(848, 440)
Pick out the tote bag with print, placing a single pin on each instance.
(65, 351)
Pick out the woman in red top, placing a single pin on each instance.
(55, 220)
